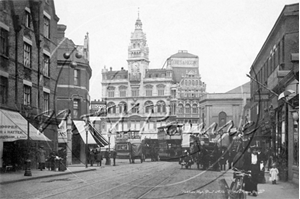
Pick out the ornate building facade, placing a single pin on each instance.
(144, 99)
(132, 95)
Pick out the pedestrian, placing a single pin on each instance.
(53, 162)
(106, 156)
(223, 159)
(99, 158)
(252, 163)
(204, 158)
(114, 156)
(41, 157)
(274, 174)
(92, 156)
(262, 158)
(215, 158)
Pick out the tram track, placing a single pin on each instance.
(88, 182)
(112, 179)
(138, 185)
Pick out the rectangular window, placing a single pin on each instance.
(76, 108)
(46, 69)
(27, 95)
(122, 93)
(46, 27)
(3, 89)
(111, 93)
(3, 42)
(161, 92)
(76, 77)
(46, 101)
(27, 19)
(149, 93)
(27, 55)
(135, 93)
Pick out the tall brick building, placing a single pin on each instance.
(276, 67)
(28, 65)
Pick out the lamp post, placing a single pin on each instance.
(108, 135)
(28, 161)
(69, 138)
(87, 151)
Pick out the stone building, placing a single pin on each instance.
(144, 99)
(132, 95)
(275, 70)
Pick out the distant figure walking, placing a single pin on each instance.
(41, 157)
(274, 174)
(107, 158)
(99, 158)
(114, 156)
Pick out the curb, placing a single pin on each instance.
(46, 176)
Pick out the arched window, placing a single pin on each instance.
(161, 107)
(188, 109)
(149, 107)
(122, 107)
(111, 108)
(222, 118)
(195, 109)
(180, 109)
(135, 108)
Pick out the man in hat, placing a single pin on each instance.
(41, 157)
(252, 163)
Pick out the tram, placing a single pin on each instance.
(169, 140)
(129, 146)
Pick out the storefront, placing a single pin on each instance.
(89, 138)
(14, 133)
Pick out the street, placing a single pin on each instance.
(146, 180)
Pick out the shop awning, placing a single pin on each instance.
(94, 137)
(13, 126)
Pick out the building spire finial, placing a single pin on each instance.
(138, 12)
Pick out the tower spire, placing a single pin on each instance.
(138, 12)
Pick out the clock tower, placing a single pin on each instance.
(138, 52)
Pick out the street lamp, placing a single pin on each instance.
(69, 138)
(86, 126)
(28, 161)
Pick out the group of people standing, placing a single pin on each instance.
(96, 156)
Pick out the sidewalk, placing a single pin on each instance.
(18, 176)
(286, 190)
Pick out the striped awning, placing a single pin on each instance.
(101, 141)
(92, 137)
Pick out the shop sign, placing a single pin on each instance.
(261, 97)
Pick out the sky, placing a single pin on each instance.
(225, 35)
